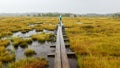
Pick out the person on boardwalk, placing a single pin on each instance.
(60, 18)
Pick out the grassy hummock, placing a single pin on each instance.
(5, 57)
(29, 63)
(17, 41)
(29, 52)
(4, 42)
(42, 37)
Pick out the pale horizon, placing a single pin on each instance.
(60, 6)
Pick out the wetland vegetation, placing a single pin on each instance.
(91, 38)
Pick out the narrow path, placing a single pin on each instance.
(58, 63)
(61, 59)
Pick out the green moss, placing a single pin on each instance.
(23, 45)
(52, 38)
(40, 37)
(43, 37)
(21, 42)
(26, 29)
(8, 58)
(16, 41)
(29, 52)
(38, 28)
(28, 40)
(6, 33)
(15, 44)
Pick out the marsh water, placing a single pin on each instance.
(41, 49)
(30, 33)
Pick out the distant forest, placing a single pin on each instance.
(114, 15)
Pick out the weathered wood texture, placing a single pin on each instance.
(61, 58)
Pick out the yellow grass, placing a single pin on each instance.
(42, 37)
(5, 56)
(4, 42)
(29, 52)
(29, 63)
(8, 25)
(96, 41)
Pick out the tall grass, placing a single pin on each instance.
(42, 37)
(96, 41)
(29, 63)
(5, 57)
(9, 25)
(4, 42)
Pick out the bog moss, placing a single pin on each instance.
(42, 37)
(29, 52)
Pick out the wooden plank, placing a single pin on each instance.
(65, 36)
(57, 52)
(61, 59)
(66, 45)
(64, 58)
(51, 55)
(66, 39)
(68, 54)
(53, 46)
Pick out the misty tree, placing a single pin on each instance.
(116, 15)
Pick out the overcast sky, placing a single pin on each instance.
(67, 6)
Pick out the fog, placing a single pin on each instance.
(62, 6)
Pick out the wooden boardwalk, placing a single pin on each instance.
(61, 58)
